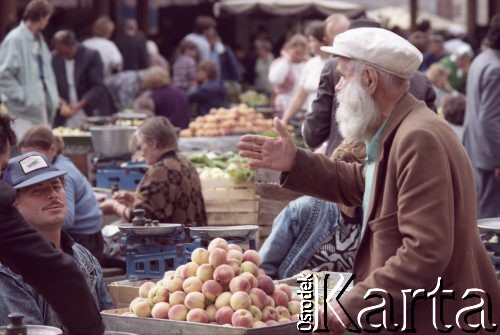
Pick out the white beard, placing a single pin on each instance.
(358, 115)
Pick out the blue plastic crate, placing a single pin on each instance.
(123, 178)
(153, 261)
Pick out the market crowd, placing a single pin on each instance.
(405, 131)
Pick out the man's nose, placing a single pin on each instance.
(52, 192)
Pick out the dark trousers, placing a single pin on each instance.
(488, 194)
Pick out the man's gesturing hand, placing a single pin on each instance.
(269, 153)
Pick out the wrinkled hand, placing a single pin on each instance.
(270, 153)
(108, 206)
(126, 198)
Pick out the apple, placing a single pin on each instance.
(223, 274)
(223, 315)
(160, 310)
(248, 266)
(223, 300)
(194, 300)
(239, 284)
(242, 318)
(200, 256)
(265, 283)
(197, 315)
(240, 300)
(211, 290)
(252, 256)
(178, 313)
(193, 284)
(145, 288)
(217, 257)
(217, 243)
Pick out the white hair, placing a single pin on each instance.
(388, 80)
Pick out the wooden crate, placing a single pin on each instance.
(229, 204)
(115, 321)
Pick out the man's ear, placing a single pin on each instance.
(370, 79)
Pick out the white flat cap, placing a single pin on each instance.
(379, 48)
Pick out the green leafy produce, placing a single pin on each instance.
(229, 164)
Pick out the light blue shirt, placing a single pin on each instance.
(371, 155)
(84, 216)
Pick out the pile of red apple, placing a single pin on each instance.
(221, 285)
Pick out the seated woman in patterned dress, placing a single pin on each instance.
(315, 234)
(170, 191)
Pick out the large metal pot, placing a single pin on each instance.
(111, 141)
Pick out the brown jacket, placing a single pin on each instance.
(422, 218)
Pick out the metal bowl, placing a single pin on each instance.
(161, 229)
(223, 231)
(112, 141)
(37, 330)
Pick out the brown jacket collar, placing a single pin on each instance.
(403, 107)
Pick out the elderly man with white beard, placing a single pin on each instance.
(419, 228)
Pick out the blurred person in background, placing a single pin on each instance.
(314, 234)
(420, 40)
(309, 80)
(84, 218)
(184, 70)
(210, 91)
(41, 199)
(132, 45)
(125, 86)
(203, 26)
(435, 51)
(264, 52)
(112, 59)
(285, 71)
(454, 112)
(170, 191)
(438, 76)
(230, 69)
(155, 57)
(168, 100)
(482, 123)
(27, 82)
(223, 55)
(38, 263)
(458, 62)
(79, 76)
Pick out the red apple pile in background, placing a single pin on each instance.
(221, 285)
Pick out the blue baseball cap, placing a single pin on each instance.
(29, 169)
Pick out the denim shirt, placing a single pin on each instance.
(17, 296)
(298, 232)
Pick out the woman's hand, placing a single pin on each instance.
(126, 198)
(108, 206)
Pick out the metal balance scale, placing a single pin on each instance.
(490, 229)
(152, 248)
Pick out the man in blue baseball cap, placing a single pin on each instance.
(41, 200)
(51, 272)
